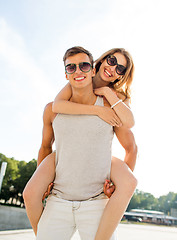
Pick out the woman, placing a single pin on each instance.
(106, 73)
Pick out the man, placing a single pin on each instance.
(83, 160)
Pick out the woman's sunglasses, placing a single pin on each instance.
(112, 61)
(83, 66)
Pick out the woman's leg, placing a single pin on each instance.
(125, 184)
(36, 187)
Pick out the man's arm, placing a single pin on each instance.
(47, 133)
(127, 140)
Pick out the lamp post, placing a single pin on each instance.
(2, 173)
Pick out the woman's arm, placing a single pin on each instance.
(122, 109)
(62, 104)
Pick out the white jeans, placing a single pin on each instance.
(61, 218)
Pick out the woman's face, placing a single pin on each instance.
(108, 73)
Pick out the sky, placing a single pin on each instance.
(34, 36)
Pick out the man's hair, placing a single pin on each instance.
(75, 50)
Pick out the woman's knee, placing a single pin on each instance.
(130, 185)
(30, 193)
(122, 176)
(133, 182)
(126, 188)
(27, 193)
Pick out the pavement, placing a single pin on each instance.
(124, 231)
(17, 235)
(24, 235)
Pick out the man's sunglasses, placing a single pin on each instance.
(83, 66)
(112, 61)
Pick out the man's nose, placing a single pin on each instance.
(78, 69)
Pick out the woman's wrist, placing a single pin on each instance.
(107, 91)
(111, 96)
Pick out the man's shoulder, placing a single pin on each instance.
(48, 107)
(48, 111)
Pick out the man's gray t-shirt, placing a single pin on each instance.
(83, 155)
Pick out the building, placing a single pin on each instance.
(148, 216)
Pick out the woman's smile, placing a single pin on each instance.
(107, 73)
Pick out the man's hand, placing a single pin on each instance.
(108, 188)
(46, 194)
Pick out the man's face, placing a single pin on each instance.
(79, 79)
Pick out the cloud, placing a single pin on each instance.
(25, 89)
(16, 56)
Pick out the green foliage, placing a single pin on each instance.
(143, 200)
(19, 172)
(17, 175)
(168, 201)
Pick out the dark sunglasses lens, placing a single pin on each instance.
(120, 69)
(111, 60)
(85, 66)
(70, 68)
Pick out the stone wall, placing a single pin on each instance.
(13, 218)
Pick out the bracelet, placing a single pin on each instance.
(120, 100)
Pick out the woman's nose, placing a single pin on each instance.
(113, 68)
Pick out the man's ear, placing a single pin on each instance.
(66, 75)
(93, 72)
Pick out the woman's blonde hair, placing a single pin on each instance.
(123, 84)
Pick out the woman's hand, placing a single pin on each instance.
(102, 91)
(109, 116)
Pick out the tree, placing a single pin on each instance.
(167, 202)
(135, 201)
(26, 170)
(143, 200)
(19, 172)
(10, 176)
(17, 175)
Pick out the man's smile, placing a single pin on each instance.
(79, 78)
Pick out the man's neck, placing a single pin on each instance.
(98, 82)
(83, 96)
